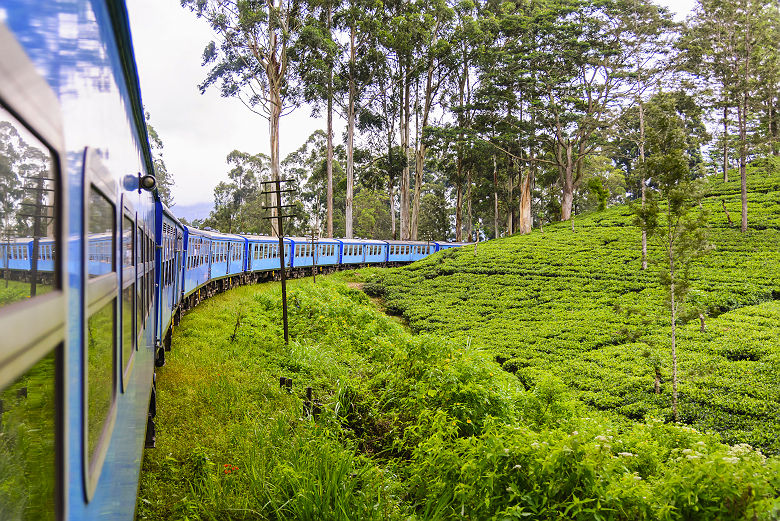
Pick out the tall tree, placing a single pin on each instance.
(727, 37)
(252, 61)
(164, 178)
(318, 53)
(678, 222)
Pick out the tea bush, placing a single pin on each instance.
(576, 305)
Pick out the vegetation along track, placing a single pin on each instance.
(575, 304)
(411, 427)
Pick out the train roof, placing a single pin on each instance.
(362, 241)
(213, 234)
(445, 243)
(308, 239)
(263, 238)
(411, 243)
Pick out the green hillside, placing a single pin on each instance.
(576, 304)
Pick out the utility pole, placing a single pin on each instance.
(314, 248)
(276, 189)
(38, 216)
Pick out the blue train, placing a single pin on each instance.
(94, 270)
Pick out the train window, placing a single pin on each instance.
(27, 209)
(27, 443)
(140, 285)
(128, 289)
(101, 325)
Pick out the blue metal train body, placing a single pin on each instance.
(99, 271)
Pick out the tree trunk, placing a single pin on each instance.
(725, 144)
(276, 112)
(525, 223)
(392, 211)
(350, 137)
(644, 187)
(418, 181)
(567, 185)
(495, 196)
(510, 213)
(742, 113)
(458, 204)
(469, 217)
(329, 161)
(404, 128)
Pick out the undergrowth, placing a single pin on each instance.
(410, 427)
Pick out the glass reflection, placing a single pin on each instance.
(100, 242)
(128, 309)
(27, 249)
(27, 444)
(100, 369)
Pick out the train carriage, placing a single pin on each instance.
(420, 249)
(323, 252)
(375, 252)
(328, 252)
(352, 251)
(264, 252)
(169, 260)
(227, 255)
(399, 251)
(197, 265)
(441, 245)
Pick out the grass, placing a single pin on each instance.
(411, 427)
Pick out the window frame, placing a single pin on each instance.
(126, 280)
(106, 288)
(34, 328)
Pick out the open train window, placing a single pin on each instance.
(102, 289)
(32, 305)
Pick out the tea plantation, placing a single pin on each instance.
(575, 304)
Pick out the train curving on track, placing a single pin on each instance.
(94, 270)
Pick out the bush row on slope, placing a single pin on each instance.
(576, 305)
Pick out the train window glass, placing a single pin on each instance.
(27, 443)
(27, 209)
(140, 297)
(100, 234)
(100, 370)
(128, 276)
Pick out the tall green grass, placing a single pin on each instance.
(412, 427)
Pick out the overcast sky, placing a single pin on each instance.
(199, 131)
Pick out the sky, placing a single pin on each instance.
(199, 131)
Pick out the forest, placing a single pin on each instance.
(466, 119)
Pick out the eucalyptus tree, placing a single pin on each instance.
(727, 38)
(466, 38)
(654, 33)
(252, 60)
(361, 21)
(434, 61)
(164, 178)
(318, 52)
(583, 75)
